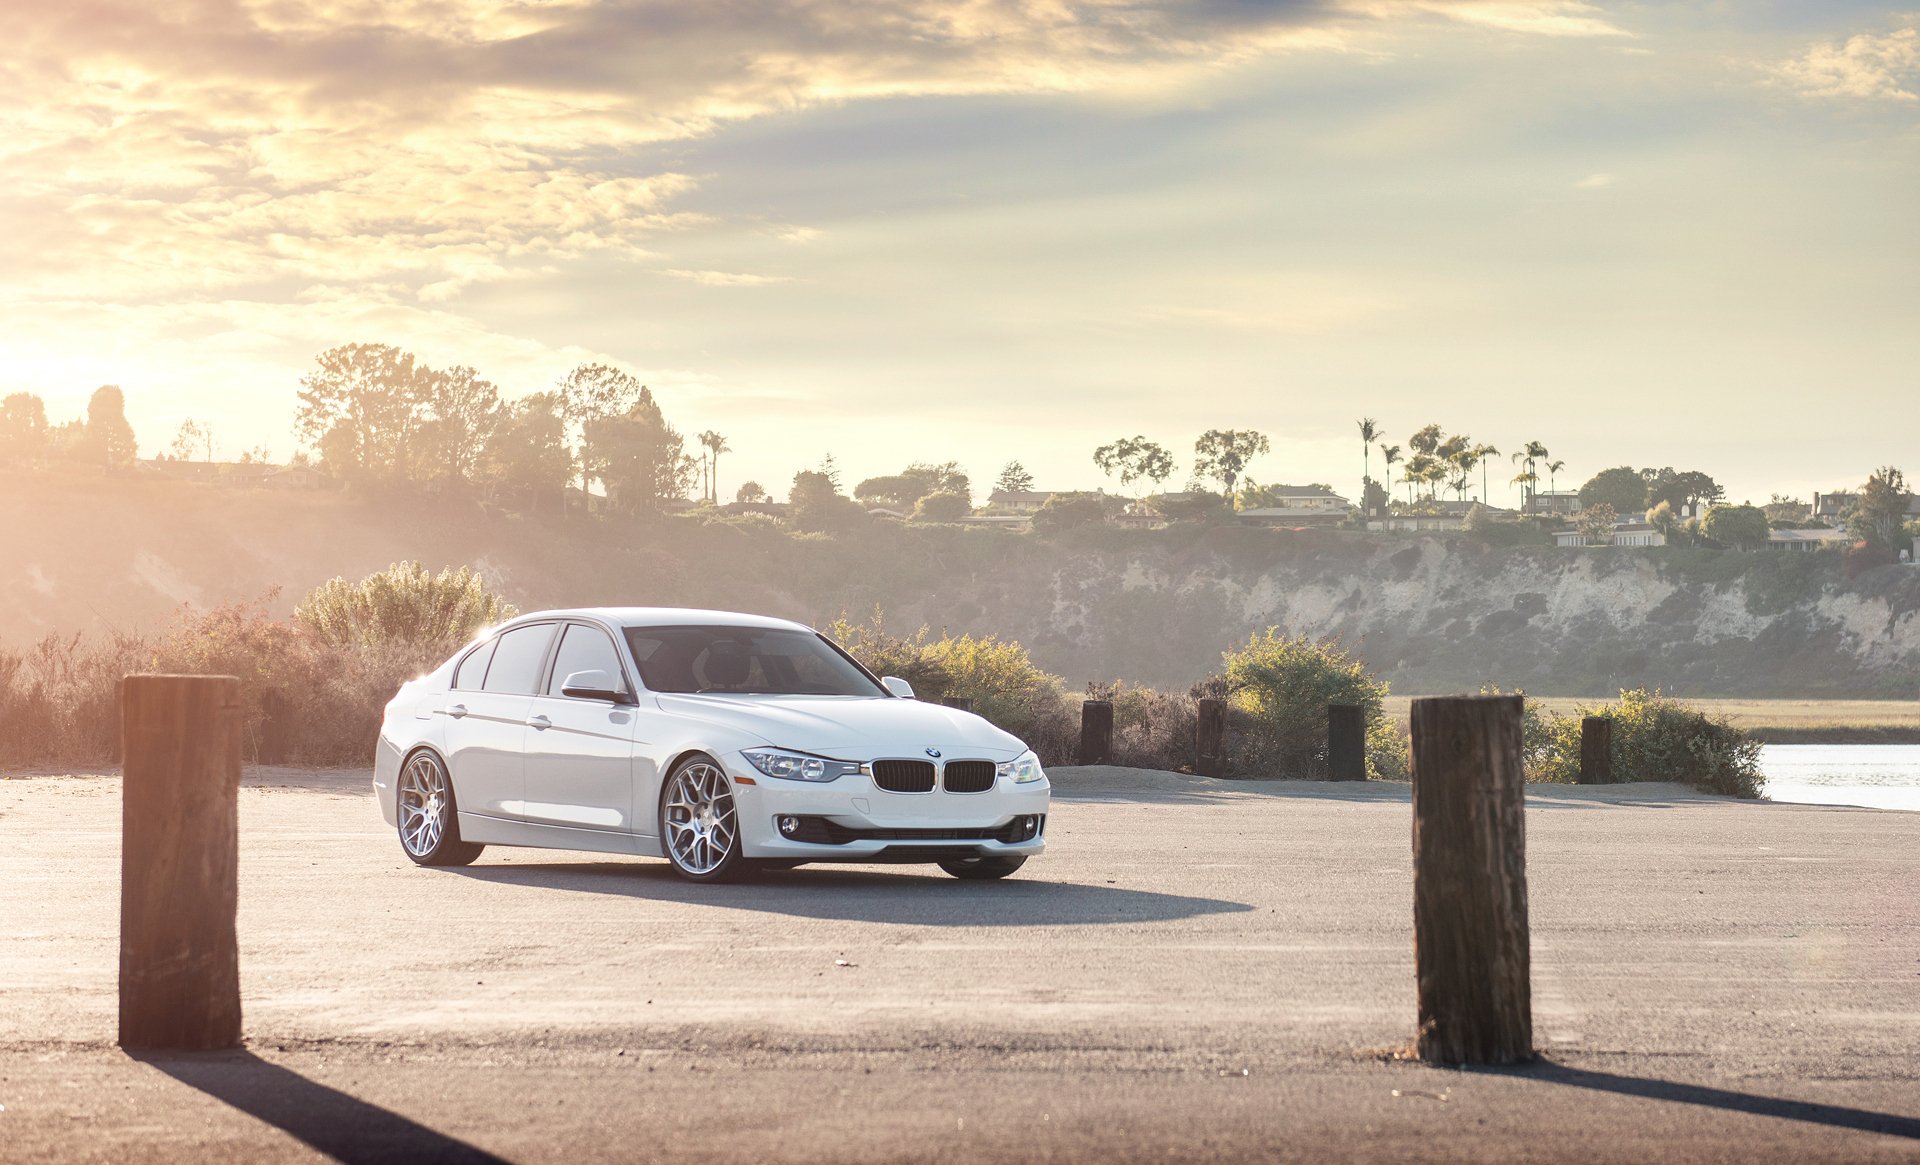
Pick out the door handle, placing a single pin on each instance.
(457, 711)
(540, 722)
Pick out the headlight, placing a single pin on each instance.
(798, 766)
(1022, 770)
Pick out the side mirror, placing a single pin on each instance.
(898, 687)
(594, 685)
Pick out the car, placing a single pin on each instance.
(725, 743)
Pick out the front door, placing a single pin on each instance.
(487, 725)
(580, 752)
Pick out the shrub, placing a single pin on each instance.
(1063, 512)
(405, 603)
(1284, 684)
(57, 700)
(942, 507)
(1658, 739)
(1152, 729)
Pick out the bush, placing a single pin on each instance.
(942, 507)
(405, 603)
(1657, 739)
(1063, 512)
(1284, 684)
(57, 698)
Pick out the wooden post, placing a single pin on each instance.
(1211, 743)
(1096, 732)
(964, 703)
(1470, 881)
(275, 727)
(1346, 742)
(1596, 750)
(179, 857)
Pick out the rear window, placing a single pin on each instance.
(747, 661)
(516, 661)
(473, 669)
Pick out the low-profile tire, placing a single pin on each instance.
(699, 824)
(983, 869)
(427, 817)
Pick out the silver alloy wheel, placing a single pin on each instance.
(423, 805)
(699, 818)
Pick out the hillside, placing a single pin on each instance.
(89, 553)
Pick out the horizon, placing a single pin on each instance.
(980, 237)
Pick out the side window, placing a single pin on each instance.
(473, 669)
(516, 661)
(584, 649)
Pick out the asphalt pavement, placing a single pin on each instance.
(1195, 971)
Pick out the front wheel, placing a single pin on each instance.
(982, 869)
(698, 824)
(429, 820)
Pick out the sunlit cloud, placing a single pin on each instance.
(1873, 66)
(726, 278)
(1594, 182)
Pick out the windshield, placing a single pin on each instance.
(750, 660)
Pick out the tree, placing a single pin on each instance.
(109, 438)
(1685, 490)
(944, 506)
(1426, 440)
(1526, 479)
(360, 408)
(640, 458)
(1013, 479)
(1391, 454)
(23, 429)
(526, 453)
(1620, 487)
(1134, 458)
(1529, 457)
(714, 445)
(1554, 467)
(816, 503)
(1743, 526)
(193, 437)
(458, 411)
(1880, 509)
(1223, 454)
(1376, 498)
(1661, 517)
(1484, 454)
(1068, 511)
(595, 392)
(752, 493)
(1598, 520)
(901, 490)
(1368, 431)
(1781, 509)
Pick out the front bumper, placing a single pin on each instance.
(853, 820)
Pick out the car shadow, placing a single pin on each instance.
(1808, 1112)
(868, 895)
(331, 1122)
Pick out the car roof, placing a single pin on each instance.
(664, 617)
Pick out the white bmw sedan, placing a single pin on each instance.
(721, 742)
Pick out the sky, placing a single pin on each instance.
(1656, 233)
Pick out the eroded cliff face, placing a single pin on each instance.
(1431, 614)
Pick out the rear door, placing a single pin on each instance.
(580, 752)
(487, 725)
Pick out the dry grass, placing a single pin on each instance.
(1773, 721)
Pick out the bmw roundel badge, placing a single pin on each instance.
(934, 753)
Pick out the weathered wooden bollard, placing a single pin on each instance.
(179, 858)
(1346, 742)
(1596, 750)
(1470, 881)
(1210, 744)
(1096, 732)
(964, 703)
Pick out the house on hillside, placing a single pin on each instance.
(1297, 505)
(769, 508)
(1832, 508)
(1625, 534)
(1555, 501)
(1017, 501)
(298, 477)
(1803, 540)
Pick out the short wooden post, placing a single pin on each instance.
(1210, 745)
(1346, 742)
(1096, 732)
(964, 703)
(1470, 881)
(179, 857)
(276, 724)
(1596, 750)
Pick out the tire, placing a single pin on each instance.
(699, 826)
(426, 815)
(983, 869)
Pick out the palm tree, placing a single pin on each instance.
(1554, 467)
(1525, 479)
(1461, 463)
(715, 445)
(1484, 453)
(1367, 433)
(1389, 454)
(1531, 454)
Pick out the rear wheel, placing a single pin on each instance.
(698, 824)
(428, 819)
(983, 869)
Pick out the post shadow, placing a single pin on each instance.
(1805, 1111)
(349, 1130)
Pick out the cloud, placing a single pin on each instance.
(1594, 182)
(726, 278)
(1869, 66)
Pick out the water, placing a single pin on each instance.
(1879, 776)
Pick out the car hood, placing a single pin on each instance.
(849, 727)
